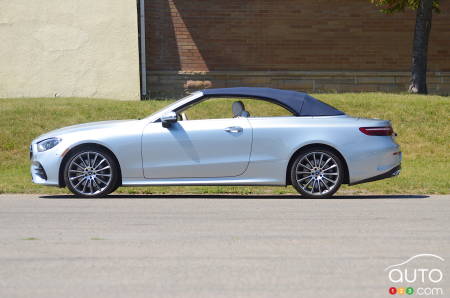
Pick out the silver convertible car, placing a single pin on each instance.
(305, 143)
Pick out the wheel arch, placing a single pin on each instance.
(66, 157)
(346, 179)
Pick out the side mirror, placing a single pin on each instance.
(169, 118)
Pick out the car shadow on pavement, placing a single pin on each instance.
(237, 197)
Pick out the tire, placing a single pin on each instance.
(91, 172)
(317, 173)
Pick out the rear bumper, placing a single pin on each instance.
(389, 174)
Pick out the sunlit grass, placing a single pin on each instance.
(422, 124)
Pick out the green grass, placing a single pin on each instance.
(422, 123)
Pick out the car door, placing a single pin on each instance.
(197, 148)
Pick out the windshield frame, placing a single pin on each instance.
(172, 107)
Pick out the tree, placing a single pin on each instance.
(424, 11)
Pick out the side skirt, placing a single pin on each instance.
(202, 181)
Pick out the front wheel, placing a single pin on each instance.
(91, 172)
(317, 173)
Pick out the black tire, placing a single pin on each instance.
(85, 167)
(313, 176)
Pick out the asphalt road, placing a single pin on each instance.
(214, 246)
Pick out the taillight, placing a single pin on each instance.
(377, 131)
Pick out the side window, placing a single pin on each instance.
(219, 108)
(263, 108)
(210, 108)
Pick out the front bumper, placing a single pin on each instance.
(389, 174)
(45, 166)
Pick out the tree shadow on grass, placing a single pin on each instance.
(238, 197)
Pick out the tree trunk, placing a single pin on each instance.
(420, 47)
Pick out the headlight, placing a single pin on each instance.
(47, 144)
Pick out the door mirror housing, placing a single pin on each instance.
(169, 118)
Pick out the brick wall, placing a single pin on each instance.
(295, 44)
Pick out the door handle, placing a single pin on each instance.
(233, 129)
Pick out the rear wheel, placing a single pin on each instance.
(91, 172)
(317, 173)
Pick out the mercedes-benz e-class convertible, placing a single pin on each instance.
(305, 143)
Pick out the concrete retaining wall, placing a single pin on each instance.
(177, 83)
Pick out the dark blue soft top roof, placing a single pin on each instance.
(301, 104)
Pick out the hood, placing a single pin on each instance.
(83, 127)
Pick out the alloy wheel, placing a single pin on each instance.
(317, 173)
(90, 173)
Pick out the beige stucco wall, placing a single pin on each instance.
(69, 48)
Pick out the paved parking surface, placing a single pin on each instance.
(214, 246)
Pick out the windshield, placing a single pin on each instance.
(176, 104)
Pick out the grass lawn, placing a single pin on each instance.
(422, 124)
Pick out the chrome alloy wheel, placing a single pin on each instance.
(317, 173)
(89, 173)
